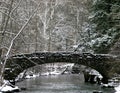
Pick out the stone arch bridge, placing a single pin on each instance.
(105, 64)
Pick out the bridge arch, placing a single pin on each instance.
(18, 63)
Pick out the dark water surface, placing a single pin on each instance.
(60, 84)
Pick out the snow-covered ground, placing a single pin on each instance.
(58, 69)
(51, 69)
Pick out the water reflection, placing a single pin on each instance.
(60, 84)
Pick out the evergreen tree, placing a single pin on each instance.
(105, 26)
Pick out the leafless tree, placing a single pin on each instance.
(12, 41)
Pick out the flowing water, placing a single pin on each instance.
(60, 84)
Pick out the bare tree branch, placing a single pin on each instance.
(15, 7)
(4, 8)
(7, 32)
(7, 20)
(10, 17)
(12, 41)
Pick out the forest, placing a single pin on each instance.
(37, 25)
(28, 26)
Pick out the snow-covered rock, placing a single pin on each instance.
(55, 73)
(94, 72)
(45, 74)
(9, 88)
(117, 89)
(30, 76)
(50, 73)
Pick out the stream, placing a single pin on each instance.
(73, 83)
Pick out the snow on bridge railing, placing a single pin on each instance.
(61, 53)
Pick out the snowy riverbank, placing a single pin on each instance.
(8, 88)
